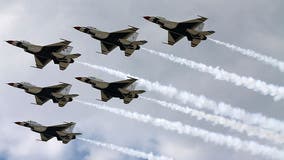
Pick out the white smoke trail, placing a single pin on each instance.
(128, 151)
(256, 85)
(219, 139)
(201, 101)
(250, 53)
(232, 124)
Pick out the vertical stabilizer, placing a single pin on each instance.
(66, 90)
(70, 129)
(200, 27)
(67, 50)
(133, 37)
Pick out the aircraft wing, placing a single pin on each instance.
(105, 97)
(41, 100)
(195, 42)
(174, 37)
(41, 62)
(107, 47)
(45, 137)
(123, 34)
(56, 47)
(123, 83)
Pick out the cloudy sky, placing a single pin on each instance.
(255, 24)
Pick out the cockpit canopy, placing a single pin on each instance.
(26, 83)
(33, 123)
(90, 27)
(97, 79)
(25, 42)
(161, 18)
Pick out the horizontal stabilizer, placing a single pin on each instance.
(127, 100)
(63, 65)
(67, 50)
(128, 52)
(71, 95)
(138, 91)
(207, 32)
(139, 42)
(73, 55)
(60, 55)
(192, 32)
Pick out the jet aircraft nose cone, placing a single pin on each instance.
(18, 123)
(79, 78)
(11, 84)
(10, 42)
(147, 17)
(77, 27)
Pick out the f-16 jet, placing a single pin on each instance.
(192, 29)
(124, 39)
(121, 89)
(58, 52)
(63, 132)
(58, 93)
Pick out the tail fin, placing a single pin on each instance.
(133, 37)
(135, 44)
(200, 27)
(66, 90)
(70, 129)
(132, 86)
(67, 50)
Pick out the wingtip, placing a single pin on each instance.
(132, 77)
(65, 40)
(133, 27)
(202, 17)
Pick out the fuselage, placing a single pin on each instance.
(176, 27)
(40, 92)
(105, 37)
(41, 51)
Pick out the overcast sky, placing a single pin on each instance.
(254, 24)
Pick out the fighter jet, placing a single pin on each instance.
(58, 93)
(63, 132)
(124, 39)
(192, 29)
(120, 89)
(58, 52)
